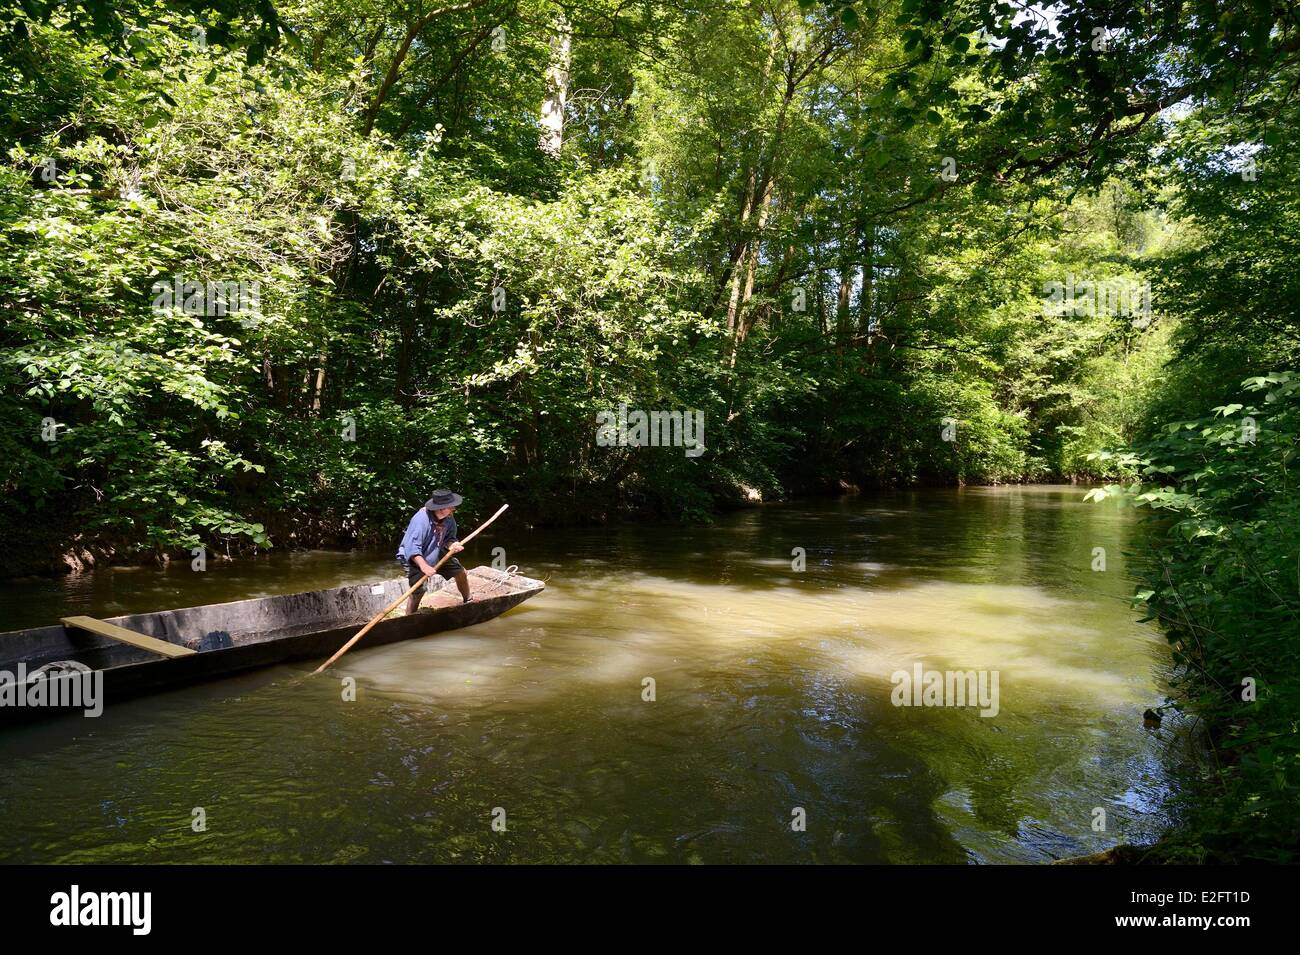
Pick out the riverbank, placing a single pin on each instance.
(41, 549)
(1222, 579)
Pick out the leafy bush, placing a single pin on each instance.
(1223, 580)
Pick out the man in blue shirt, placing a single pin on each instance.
(432, 533)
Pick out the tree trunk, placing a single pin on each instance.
(746, 321)
(867, 306)
(768, 161)
(739, 254)
(843, 297)
(850, 253)
(557, 90)
(399, 57)
(741, 250)
(320, 385)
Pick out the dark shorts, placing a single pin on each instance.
(447, 571)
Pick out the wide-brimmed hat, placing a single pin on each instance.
(443, 498)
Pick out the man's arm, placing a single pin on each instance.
(451, 544)
(411, 543)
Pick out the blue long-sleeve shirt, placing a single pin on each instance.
(426, 536)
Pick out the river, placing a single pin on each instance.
(771, 736)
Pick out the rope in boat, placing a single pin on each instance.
(502, 579)
(496, 587)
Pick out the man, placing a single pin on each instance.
(431, 533)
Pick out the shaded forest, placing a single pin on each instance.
(462, 231)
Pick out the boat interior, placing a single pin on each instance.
(242, 622)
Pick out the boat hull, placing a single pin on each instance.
(248, 634)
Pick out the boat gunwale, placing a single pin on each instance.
(521, 586)
(148, 673)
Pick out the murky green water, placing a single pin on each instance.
(772, 695)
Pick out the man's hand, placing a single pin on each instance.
(455, 547)
(423, 564)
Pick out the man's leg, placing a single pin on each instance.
(452, 570)
(413, 602)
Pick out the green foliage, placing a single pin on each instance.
(378, 200)
(1224, 582)
(251, 25)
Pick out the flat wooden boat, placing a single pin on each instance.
(176, 647)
